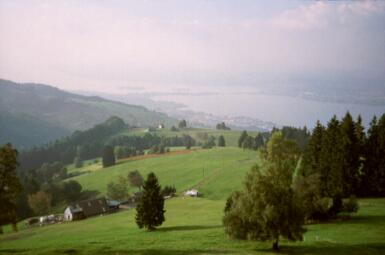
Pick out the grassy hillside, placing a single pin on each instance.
(64, 110)
(231, 136)
(215, 172)
(193, 226)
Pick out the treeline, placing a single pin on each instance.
(89, 144)
(348, 160)
(291, 187)
(299, 135)
(85, 144)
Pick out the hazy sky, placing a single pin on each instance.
(192, 45)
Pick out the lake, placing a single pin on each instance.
(283, 110)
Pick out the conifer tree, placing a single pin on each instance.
(150, 208)
(242, 138)
(221, 141)
(311, 156)
(108, 156)
(373, 179)
(331, 164)
(258, 141)
(10, 187)
(351, 155)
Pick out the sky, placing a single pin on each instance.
(198, 45)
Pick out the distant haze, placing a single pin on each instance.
(320, 48)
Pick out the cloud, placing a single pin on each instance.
(321, 14)
(158, 44)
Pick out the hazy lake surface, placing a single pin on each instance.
(282, 110)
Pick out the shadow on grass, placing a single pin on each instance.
(364, 248)
(371, 219)
(77, 173)
(187, 228)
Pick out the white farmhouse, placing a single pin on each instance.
(191, 193)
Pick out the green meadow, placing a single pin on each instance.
(193, 225)
(214, 172)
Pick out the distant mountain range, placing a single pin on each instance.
(194, 118)
(32, 114)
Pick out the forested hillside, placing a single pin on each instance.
(32, 114)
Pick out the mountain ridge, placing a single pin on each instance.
(61, 112)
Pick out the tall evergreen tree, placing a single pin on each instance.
(258, 141)
(242, 138)
(221, 141)
(108, 156)
(373, 179)
(331, 164)
(310, 163)
(10, 187)
(182, 124)
(351, 155)
(150, 208)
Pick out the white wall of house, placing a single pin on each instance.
(67, 214)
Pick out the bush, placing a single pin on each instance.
(350, 205)
(168, 191)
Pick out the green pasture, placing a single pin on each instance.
(193, 226)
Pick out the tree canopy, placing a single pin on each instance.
(268, 208)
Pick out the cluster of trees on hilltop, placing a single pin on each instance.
(84, 144)
(300, 135)
(246, 141)
(222, 126)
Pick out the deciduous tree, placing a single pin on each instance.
(268, 207)
(40, 202)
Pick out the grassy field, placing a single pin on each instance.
(193, 226)
(231, 136)
(215, 172)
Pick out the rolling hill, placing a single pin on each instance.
(214, 172)
(32, 114)
(193, 225)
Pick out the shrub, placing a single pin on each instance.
(350, 205)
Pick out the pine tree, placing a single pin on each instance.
(150, 208)
(108, 156)
(221, 141)
(242, 138)
(373, 179)
(331, 164)
(311, 156)
(10, 187)
(258, 141)
(351, 155)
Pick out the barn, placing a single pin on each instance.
(88, 208)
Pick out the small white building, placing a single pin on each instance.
(191, 193)
(161, 126)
